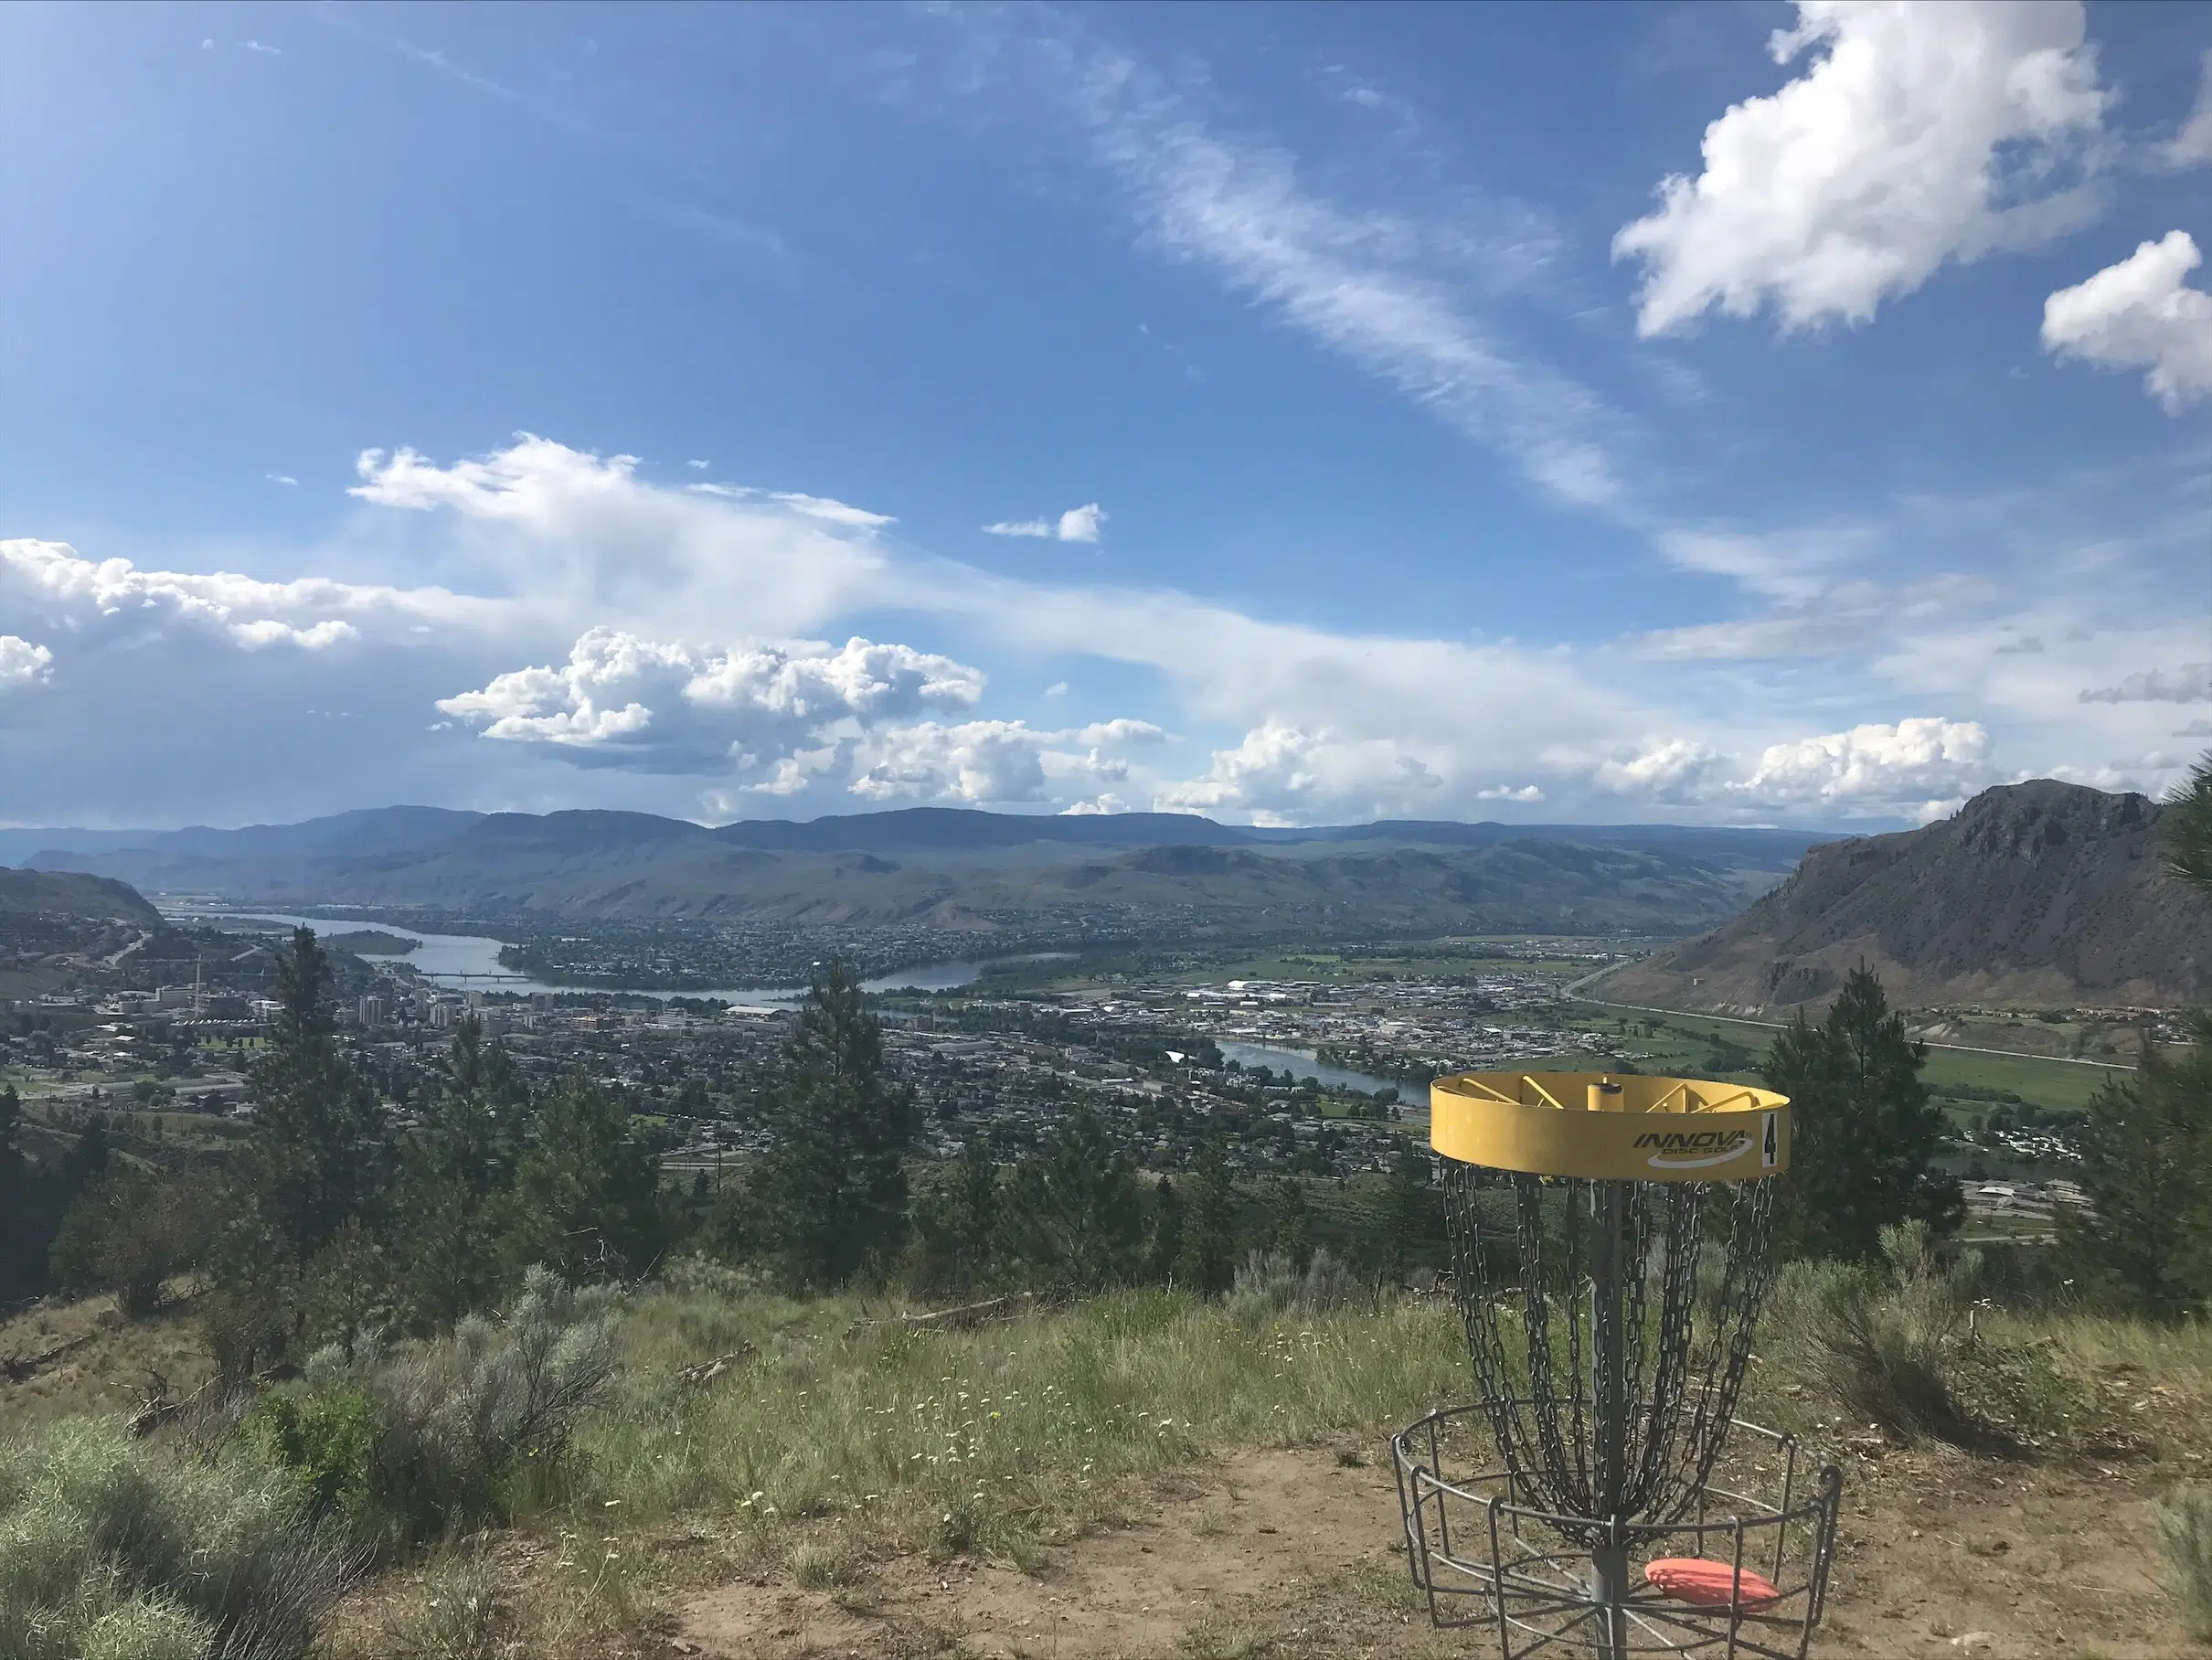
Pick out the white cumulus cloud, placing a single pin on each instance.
(313, 611)
(1284, 773)
(1076, 524)
(22, 663)
(976, 760)
(268, 631)
(672, 706)
(2140, 315)
(588, 542)
(1926, 759)
(1918, 134)
(1677, 770)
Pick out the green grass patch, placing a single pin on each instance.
(1683, 1039)
(997, 1439)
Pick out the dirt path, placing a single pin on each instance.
(1293, 1554)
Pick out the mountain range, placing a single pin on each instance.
(960, 868)
(2040, 893)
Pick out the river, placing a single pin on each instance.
(471, 962)
(1301, 1064)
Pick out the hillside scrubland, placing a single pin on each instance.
(724, 1449)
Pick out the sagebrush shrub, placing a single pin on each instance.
(1883, 1338)
(119, 1550)
(2183, 1520)
(1270, 1285)
(448, 1421)
(460, 1615)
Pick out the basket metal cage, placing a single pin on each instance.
(1482, 1554)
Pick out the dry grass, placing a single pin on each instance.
(845, 1440)
(1028, 1430)
(109, 1373)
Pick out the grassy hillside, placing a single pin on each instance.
(846, 1479)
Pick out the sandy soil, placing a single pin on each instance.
(1291, 1553)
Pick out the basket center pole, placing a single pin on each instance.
(1609, 1396)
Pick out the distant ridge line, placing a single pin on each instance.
(383, 831)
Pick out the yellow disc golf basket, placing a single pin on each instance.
(1611, 1245)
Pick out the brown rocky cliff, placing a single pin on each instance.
(2040, 893)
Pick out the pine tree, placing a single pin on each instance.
(1863, 1131)
(320, 1154)
(129, 1231)
(1404, 1208)
(21, 1245)
(1164, 1251)
(1289, 1202)
(957, 1221)
(586, 1195)
(1075, 1216)
(2186, 827)
(1207, 1258)
(473, 1124)
(318, 1165)
(976, 1211)
(832, 1188)
(463, 1156)
(2148, 1232)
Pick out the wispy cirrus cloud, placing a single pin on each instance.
(1365, 284)
(432, 57)
(1397, 293)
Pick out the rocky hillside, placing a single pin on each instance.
(2044, 894)
(58, 893)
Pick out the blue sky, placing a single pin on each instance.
(1760, 413)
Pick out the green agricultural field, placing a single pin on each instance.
(1684, 1040)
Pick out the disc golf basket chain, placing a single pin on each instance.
(1612, 1243)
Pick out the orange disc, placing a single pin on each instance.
(1707, 1583)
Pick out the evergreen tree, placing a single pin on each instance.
(1207, 1258)
(586, 1195)
(86, 1157)
(831, 1188)
(462, 1156)
(22, 1244)
(1405, 1211)
(1289, 1204)
(1862, 1129)
(129, 1231)
(473, 1123)
(959, 1221)
(2148, 1232)
(319, 1162)
(1075, 1216)
(2186, 827)
(320, 1154)
(1164, 1249)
